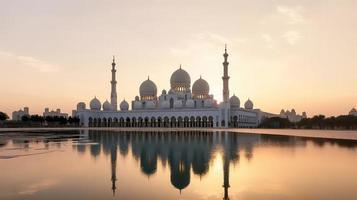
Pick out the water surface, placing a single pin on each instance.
(82, 164)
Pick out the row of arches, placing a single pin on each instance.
(152, 122)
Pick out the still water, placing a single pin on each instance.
(82, 164)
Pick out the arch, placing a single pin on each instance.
(235, 121)
(173, 121)
(166, 121)
(210, 121)
(152, 122)
(99, 122)
(204, 121)
(140, 122)
(127, 122)
(198, 121)
(179, 122)
(159, 122)
(186, 121)
(90, 122)
(192, 121)
(134, 122)
(146, 122)
(115, 122)
(110, 121)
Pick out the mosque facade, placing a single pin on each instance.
(182, 105)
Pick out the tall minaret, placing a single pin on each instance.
(225, 76)
(113, 96)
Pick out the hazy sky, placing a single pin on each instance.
(283, 53)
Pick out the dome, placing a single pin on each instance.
(95, 104)
(282, 112)
(165, 104)
(124, 105)
(150, 105)
(234, 101)
(148, 90)
(178, 104)
(248, 104)
(81, 106)
(180, 80)
(293, 112)
(107, 106)
(190, 103)
(353, 110)
(200, 89)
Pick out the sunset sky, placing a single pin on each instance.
(283, 53)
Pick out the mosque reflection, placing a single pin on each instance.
(181, 151)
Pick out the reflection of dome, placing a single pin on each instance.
(200, 89)
(248, 104)
(165, 104)
(124, 105)
(95, 104)
(81, 106)
(148, 90)
(190, 103)
(107, 106)
(180, 80)
(234, 101)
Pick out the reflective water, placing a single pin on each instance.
(174, 165)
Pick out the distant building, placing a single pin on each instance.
(53, 113)
(17, 115)
(353, 112)
(292, 116)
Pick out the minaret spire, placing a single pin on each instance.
(113, 82)
(225, 77)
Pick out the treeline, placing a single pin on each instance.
(346, 122)
(40, 121)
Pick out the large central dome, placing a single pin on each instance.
(180, 81)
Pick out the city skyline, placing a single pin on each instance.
(283, 55)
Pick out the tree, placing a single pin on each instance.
(3, 116)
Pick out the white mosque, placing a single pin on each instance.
(180, 106)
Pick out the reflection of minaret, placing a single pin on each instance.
(113, 156)
(113, 96)
(226, 177)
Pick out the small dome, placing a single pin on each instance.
(190, 103)
(124, 105)
(107, 106)
(137, 98)
(293, 112)
(150, 105)
(200, 89)
(95, 104)
(353, 110)
(148, 90)
(282, 112)
(248, 104)
(81, 106)
(163, 92)
(165, 104)
(180, 80)
(234, 101)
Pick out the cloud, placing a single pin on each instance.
(292, 37)
(293, 14)
(28, 61)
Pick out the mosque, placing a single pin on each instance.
(180, 106)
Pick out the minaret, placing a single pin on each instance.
(113, 96)
(225, 76)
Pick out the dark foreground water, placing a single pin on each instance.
(174, 165)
